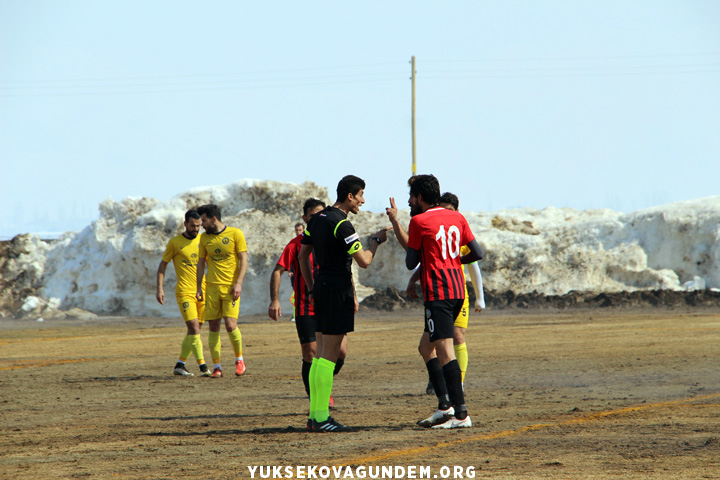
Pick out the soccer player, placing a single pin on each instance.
(224, 250)
(300, 227)
(183, 251)
(435, 236)
(334, 243)
(305, 320)
(451, 202)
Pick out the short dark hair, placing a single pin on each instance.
(452, 199)
(210, 210)
(347, 185)
(427, 186)
(311, 203)
(192, 213)
(299, 224)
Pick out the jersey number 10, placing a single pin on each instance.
(450, 243)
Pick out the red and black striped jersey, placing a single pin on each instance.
(438, 234)
(289, 261)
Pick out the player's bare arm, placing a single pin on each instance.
(400, 232)
(242, 269)
(357, 304)
(200, 275)
(274, 310)
(414, 278)
(160, 293)
(364, 257)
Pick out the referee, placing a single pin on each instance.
(333, 241)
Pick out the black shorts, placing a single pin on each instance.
(334, 306)
(306, 326)
(440, 318)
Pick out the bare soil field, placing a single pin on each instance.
(560, 395)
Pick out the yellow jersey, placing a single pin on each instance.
(183, 252)
(220, 251)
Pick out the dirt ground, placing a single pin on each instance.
(568, 395)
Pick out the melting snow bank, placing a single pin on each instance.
(109, 267)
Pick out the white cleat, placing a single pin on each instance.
(455, 423)
(440, 416)
(181, 370)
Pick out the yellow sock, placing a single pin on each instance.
(186, 348)
(462, 357)
(214, 344)
(197, 349)
(236, 341)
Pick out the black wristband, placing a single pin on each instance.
(377, 239)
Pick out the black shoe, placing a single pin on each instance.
(330, 425)
(204, 370)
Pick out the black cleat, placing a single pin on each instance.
(330, 425)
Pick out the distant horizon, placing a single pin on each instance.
(79, 224)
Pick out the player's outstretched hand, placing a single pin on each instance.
(382, 234)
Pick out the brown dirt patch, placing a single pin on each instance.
(586, 394)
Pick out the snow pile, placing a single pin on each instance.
(109, 267)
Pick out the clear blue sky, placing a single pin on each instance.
(584, 104)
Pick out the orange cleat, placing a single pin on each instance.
(239, 367)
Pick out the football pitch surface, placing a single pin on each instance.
(570, 395)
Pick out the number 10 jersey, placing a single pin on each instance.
(438, 234)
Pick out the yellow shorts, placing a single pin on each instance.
(220, 303)
(190, 307)
(462, 319)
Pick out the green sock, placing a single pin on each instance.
(236, 341)
(197, 349)
(214, 344)
(313, 390)
(323, 384)
(186, 347)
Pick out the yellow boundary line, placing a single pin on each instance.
(507, 433)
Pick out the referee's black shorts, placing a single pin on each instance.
(440, 317)
(334, 305)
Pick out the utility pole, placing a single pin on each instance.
(414, 149)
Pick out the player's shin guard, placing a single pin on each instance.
(323, 384)
(437, 378)
(306, 375)
(461, 354)
(214, 344)
(312, 374)
(453, 379)
(236, 341)
(186, 347)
